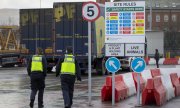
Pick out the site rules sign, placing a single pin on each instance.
(125, 22)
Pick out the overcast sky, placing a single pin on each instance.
(32, 3)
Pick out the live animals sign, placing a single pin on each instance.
(134, 50)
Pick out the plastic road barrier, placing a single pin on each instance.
(155, 72)
(128, 79)
(176, 83)
(168, 86)
(171, 61)
(142, 81)
(121, 90)
(154, 92)
(146, 74)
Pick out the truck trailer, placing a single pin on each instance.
(56, 28)
(9, 46)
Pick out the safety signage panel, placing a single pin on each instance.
(138, 65)
(114, 49)
(134, 50)
(125, 20)
(113, 64)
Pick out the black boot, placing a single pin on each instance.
(40, 106)
(31, 103)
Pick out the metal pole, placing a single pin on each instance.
(113, 89)
(138, 91)
(150, 23)
(73, 37)
(36, 37)
(89, 61)
(113, 84)
(54, 36)
(37, 27)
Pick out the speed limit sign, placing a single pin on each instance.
(90, 11)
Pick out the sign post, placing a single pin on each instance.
(113, 65)
(138, 65)
(90, 12)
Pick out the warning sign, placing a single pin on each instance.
(134, 50)
(114, 49)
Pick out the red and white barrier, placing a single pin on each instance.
(166, 80)
(179, 61)
(164, 61)
(152, 61)
(155, 72)
(142, 81)
(161, 85)
(128, 79)
(161, 61)
(146, 74)
(154, 92)
(176, 83)
(121, 90)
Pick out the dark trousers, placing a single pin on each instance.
(37, 85)
(40, 96)
(157, 63)
(67, 86)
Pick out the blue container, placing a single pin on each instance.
(36, 25)
(70, 26)
(70, 29)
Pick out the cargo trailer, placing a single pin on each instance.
(9, 46)
(36, 26)
(72, 30)
(55, 29)
(36, 31)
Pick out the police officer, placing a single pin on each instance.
(68, 69)
(37, 67)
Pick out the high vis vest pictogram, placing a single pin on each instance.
(36, 64)
(68, 66)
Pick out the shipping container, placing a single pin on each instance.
(36, 28)
(72, 30)
(70, 26)
(60, 27)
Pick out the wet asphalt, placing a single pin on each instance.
(15, 92)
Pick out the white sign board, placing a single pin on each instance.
(125, 22)
(134, 50)
(114, 50)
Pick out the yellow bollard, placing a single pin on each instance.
(168, 54)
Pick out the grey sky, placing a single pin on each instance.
(19, 4)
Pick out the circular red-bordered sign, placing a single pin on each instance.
(90, 11)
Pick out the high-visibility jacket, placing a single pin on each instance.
(36, 64)
(68, 66)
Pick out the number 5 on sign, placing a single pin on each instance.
(90, 11)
